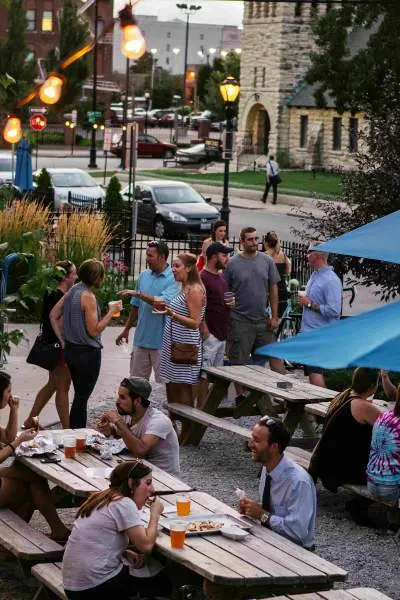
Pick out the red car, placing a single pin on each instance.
(148, 145)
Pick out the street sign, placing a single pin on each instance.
(74, 116)
(38, 122)
(42, 110)
(110, 135)
(93, 115)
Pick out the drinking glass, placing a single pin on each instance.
(69, 444)
(178, 534)
(183, 506)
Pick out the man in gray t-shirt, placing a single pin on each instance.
(146, 431)
(253, 277)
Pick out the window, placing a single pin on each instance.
(303, 131)
(168, 34)
(274, 9)
(168, 47)
(353, 135)
(259, 7)
(263, 76)
(47, 20)
(100, 26)
(337, 134)
(251, 5)
(298, 9)
(202, 36)
(255, 78)
(31, 20)
(266, 9)
(30, 57)
(167, 61)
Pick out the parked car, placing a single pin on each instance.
(195, 118)
(168, 208)
(6, 170)
(198, 154)
(148, 145)
(76, 181)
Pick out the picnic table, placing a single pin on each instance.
(262, 384)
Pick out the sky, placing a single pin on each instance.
(224, 12)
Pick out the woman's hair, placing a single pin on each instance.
(91, 272)
(216, 226)
(190, 260)
(64, 267)
(5, 380)
(396, 409)
(124, 479)
(363, 380)
(271, 240)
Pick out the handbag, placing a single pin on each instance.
(275, 177)
(183, 353)
(44, 354)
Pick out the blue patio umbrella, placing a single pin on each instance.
(378, 240)
(23, 168)
(370, 339)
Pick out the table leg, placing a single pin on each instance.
(293, 416)
(215, 396)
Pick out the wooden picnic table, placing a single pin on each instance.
(262, 384)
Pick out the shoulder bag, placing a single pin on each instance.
(183, 353)
(275, 176)
(44, 354)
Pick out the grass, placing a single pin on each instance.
(302, 182)
(101, 173)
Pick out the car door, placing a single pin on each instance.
(155, 147)
(144, 145)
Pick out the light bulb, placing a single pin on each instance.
(133, 44)
(50, 90)
(13, 130)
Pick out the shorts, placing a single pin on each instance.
(213, 353)
(143, 361)
(244, 338)
(308, 370)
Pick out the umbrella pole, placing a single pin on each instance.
(12, 163)
(36, 150)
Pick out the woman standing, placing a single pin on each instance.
(185, 314)
(218, 234)
(60, 378)
(93, 567)
(80, 335)
(272, 247)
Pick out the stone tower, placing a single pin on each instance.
(276, 45)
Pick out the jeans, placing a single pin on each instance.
(387, 493)
(84, 365)
(274, 185)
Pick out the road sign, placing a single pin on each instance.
(42, 110)
(38, 122)
(110, 135)
(93, 115)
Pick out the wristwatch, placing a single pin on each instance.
(264, 519)
(309, 305)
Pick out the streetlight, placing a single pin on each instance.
(188, 10)
(153, 67)
(229, 90)
(224, 53)
(147, 98)
(93, 151)
(211, 51)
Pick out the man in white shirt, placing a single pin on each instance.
(146, 431)
(288, 501)
(272, 179)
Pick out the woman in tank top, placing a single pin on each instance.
(272, 247)
(80, 334)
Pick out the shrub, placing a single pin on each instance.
(79, 236)
(43, 180)
(114, 207)
(114, 282)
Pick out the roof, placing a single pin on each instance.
(164, 183)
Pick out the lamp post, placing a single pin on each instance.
(188, 9)
(153, 68)
(229, 90)
(93, 156)
(211, 52)
(147, 98)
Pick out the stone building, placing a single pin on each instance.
(277, 110)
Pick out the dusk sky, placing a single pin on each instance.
(224, 12)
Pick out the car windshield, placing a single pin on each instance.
(195, 149)
(68, 180)
(177, 195)
(5, 163)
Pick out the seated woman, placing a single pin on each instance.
(21, 490)
(93, 566)
(341, 456)
(384, 458)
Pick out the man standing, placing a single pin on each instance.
(272, 179)
(146, 431)
(215, 324)
(157, 281)
(253, 277)
(288, 501)
(322, 303)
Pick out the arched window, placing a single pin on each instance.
(255, 78)
(263, 77)
(266, 9)
(298, 8)
(273, 9)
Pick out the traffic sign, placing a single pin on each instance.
(110, 133)
(38, 122)
(42, 110)
(93, 115)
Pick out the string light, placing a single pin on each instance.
(133, 44)
(13, 129)
(50, 91)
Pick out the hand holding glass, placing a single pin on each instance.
(229, 299)
(115, 306)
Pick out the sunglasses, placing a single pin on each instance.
(269, 422)
(138, 462)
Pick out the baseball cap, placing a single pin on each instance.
(137, 386)
(216, 247)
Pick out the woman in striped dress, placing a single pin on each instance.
(185, 314)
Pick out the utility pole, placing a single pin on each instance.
(93, 150)
(188, 9)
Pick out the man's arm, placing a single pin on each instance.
(273, 299)
(388, 387)
(130, 322)
(331, 307)
(137, 446)
(300, 506)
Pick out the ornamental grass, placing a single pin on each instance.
(23, 225)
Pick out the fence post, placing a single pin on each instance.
(127, 254)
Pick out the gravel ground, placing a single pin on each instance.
(218, 466)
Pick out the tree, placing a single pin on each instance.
(230, 65)
(203, 75)
(13, 56)
(73, 35)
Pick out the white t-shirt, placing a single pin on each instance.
(272, 168)
(165, 454)
(93, 553)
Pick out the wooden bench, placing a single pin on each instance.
(319, 411)
(351, 594)
(50, 577)
(23, 541)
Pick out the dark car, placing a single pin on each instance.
(200, 153)
(167, 208)
(148, 145)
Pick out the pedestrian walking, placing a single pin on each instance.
(273, 179)
(80, 335)
(156, 284)
(282, 262)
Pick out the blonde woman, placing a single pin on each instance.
(272, 247)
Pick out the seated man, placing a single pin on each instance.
(288, 500)
(145, 430)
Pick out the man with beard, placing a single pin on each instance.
(146, 431)
(288, 500)
(214, 328)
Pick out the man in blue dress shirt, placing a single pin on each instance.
(157, 281)
(288, 501)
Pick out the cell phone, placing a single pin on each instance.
(50, 459)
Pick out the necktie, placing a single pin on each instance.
(266, 499)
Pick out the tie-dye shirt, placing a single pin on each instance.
(384, 458)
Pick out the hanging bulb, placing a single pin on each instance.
(13, 130)
(132, 42)
(50, 90)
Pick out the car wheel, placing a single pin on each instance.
(169, 154)
(159, 229)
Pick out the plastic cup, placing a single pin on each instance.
(115, 306)
(81, 442)
(183, 506)
(69, 444)
(229, 297)
(178, 534)
(159, 303)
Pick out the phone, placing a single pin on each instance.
(50, 459)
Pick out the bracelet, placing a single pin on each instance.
(11, 446)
